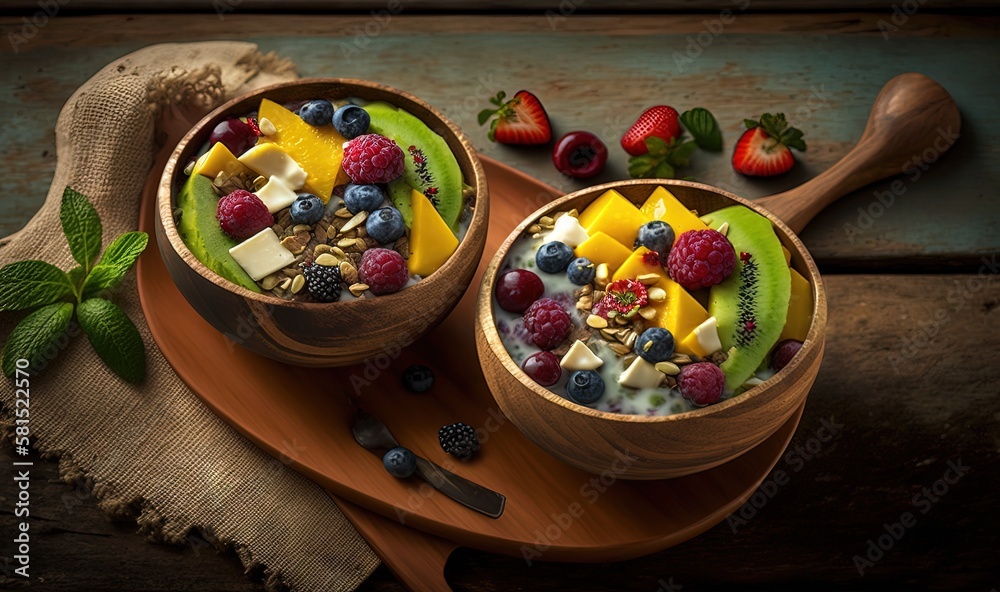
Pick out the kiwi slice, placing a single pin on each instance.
(751, 304)
(431, 167)
(202, 233)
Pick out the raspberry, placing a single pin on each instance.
(701, 383)
(547, 323)
(322, 282)
(242, 214)
(372, 158)
(701, 258)
(383, 270)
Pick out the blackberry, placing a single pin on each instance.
(459, 440)
(323, 282)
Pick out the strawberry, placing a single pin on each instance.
(660, 121)
(763, 150)
(521, 120)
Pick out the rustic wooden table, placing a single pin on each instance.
(909, 387)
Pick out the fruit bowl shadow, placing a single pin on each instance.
(321, 334)
(659, 447)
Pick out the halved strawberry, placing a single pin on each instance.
(763, 150)
(660, 121)
(521, 120)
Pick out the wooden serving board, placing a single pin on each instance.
(554, 510)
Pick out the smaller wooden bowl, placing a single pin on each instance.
(661, 447)
(316, 334)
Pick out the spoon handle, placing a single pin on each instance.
(913, 121)
(469, 494)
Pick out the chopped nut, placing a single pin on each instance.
(301, 228)
(355, 221)
(586, 290)
(546, 221)
(573, 213)
(681, 359)
(339, 252)
(358, 289)
(345, 243)
(285, 283)
(362, 243)
(189, 168)
(601, 275)
(657, 294)
(609, 334)
(269, 282)
(667, 368)
(348, 272)
(322, 248)
(298, 283)
(534, 229)
(343, 213)
(327, 260)
(621, 319)
(597, 321)
(266, 127)
(220, 179)
(647, 312)
(331, 232)
(619, 348)
(629, 340)
(648, 279)
(291, 272)
(292, 244)
(724, 229)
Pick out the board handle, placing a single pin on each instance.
(913, 120)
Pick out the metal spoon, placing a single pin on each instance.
(372, 434)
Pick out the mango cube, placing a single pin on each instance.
(637, 265)
(615, 216)
(704, 340)
(601, 248)
(431, 241)
(218, 160)
(679, 313)
(318, 150)
(662, 205)
(800, 308)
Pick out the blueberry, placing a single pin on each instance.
(418, 378)
(656, 236)
(317, 113)
(660, 345)
(385, 225)
(366, 198)
(581, 271)
(585, 386)
(553, 257)
(400, 462)
(351, 121)
(306, 209)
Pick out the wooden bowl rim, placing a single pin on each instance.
(484, 308)
(165, 204)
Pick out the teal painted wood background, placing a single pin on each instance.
(825, 83)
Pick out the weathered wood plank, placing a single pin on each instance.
(910, 376)
(598, 73)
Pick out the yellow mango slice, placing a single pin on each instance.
(615, 216)
(218, 160)
(787, 254)
(662, 205)
(636, 265)
(431, 241)
(680, 314)
(318, 150)
(800, 308)
(601, 248)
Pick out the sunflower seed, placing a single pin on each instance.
(358, 289)
(546, 221)
(597, 321)
(331, 232)
(648, 279)
(667, 368)
(301, 228)
(269, 282)
(619, 348)
(292, 244)
(647, 312)
(680, 359)
(339, 252)
(285, 283)
(621, 319)
(629, 340)
(345, 243)
(657, 294)
(355, 221)
(327, 260)
(601, 276)
(322, 248)
(348, 272)
(586, 290)
(752, 381)
(266, 127)
(534, 229)
(362, 244)
(220, 179)
(609, 334)
(343, 213)
(297, 283)
(291, 272)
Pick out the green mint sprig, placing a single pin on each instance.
(81, 290)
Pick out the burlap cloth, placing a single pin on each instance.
(154, 450)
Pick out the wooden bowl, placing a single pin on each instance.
(667, 446)
(318, 334)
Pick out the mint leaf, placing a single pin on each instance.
(32, 283)
(34, 334)
(82, 227)
(703, 126)
(76, 276)
(114, 338)
(115, 263)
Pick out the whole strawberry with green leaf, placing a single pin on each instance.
(78, 293)
(764, 149)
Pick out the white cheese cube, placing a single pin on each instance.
(708, 335)
(567, 230)
(270, 161)
(579, 357)
(262, 254)
(640, 375)
(276, 195)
